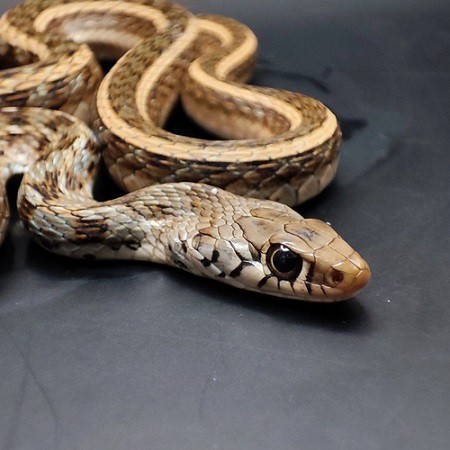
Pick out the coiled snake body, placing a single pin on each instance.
(283, 147)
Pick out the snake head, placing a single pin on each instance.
(280, 253)
(303, 258)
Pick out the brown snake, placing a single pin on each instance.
(281, 146)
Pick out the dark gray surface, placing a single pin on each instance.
(107, 356)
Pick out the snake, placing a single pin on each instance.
(219, 208)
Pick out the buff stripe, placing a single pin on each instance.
(136, 10)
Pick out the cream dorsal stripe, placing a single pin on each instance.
(143, 12)
(194, 148)
(204, 206)
(292, 142)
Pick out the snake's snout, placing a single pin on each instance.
(349, 276)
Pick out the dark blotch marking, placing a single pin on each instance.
(52, 125)
(307, 234)
(115, 245)
(256, 255)
(236, 272)
(310, 274)
(180, 264)
(263, 281)
(91, 167)
(215, 256)
(205, 262)
(43, 192)
(16, 121)
(184, 247)
(132, 244)
(309, 277)
(90, 231)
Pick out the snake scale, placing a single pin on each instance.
(216, 208)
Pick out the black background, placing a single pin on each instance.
(125, 355)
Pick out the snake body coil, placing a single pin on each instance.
(284, 147)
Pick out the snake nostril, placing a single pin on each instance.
(337, 277)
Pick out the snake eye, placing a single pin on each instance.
(284, 263)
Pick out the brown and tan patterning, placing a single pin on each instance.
(280, 146)
(284, 146)
(254, 244)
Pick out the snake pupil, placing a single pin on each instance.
(284, 260)
(284, 263)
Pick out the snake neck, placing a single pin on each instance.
(176, 223)
(55, 199)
